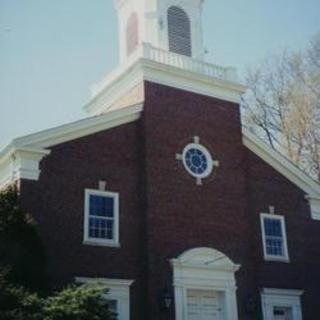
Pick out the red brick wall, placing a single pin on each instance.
(57, 201)
(267, 187)
(182, 215)
(224, 212)
(162, 210)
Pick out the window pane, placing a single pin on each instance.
(274, 241)
(272, 227)
(101, 228)
(274, 246)
(196, 161)
(101, 206)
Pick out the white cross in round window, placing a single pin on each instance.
(197, 160)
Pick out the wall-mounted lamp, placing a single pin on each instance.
(166, 299)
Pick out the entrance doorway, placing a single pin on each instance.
(204, 305)
(204, 285)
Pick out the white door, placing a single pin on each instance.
(282, 313)
(203, 305)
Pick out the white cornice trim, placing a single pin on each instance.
(21, 159)
(172, 76)
(120, 83)
(314, 207)
(20, 163)
(220, 267)
(282, 292)
(126, 78)
(281, 164)
(81, 128)
(287, 169)
(105, 281)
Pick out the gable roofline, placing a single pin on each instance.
(280, 164)
(286, 169)
(21, 158)
(80, 128)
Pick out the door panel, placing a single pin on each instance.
(203, 305)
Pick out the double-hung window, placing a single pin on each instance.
(274, 237)
(101, 221)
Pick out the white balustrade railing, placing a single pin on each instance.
(188, 63)
(147, 51)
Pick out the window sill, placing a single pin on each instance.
(277, 259)
(102, 243)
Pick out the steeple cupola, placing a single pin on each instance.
(170, 25)
(161, 41)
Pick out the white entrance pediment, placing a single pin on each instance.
(206, 271)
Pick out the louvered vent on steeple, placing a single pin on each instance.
(172, 26)
(179, 31)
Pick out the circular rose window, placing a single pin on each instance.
(197, 160)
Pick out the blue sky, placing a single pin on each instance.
(52, 51)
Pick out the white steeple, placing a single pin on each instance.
(171, 25)
(161, 41)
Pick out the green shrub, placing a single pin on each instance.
(18, 304)
(84, 302)
(21, 249)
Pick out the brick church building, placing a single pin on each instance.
(163, 196)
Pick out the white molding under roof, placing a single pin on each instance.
(287, 169)
(105, 281)
(20, 163)
(161, 67)
(21, 158)
(283, 292)
(81, 128)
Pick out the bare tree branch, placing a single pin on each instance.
(282, 105)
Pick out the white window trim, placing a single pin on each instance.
(119, 290)
(101, 242)
(268, 257)
(272, 298)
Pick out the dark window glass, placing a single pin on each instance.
(196, 161)
(101, 206)
(101, 217)
(273, 237)
(273, 227)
